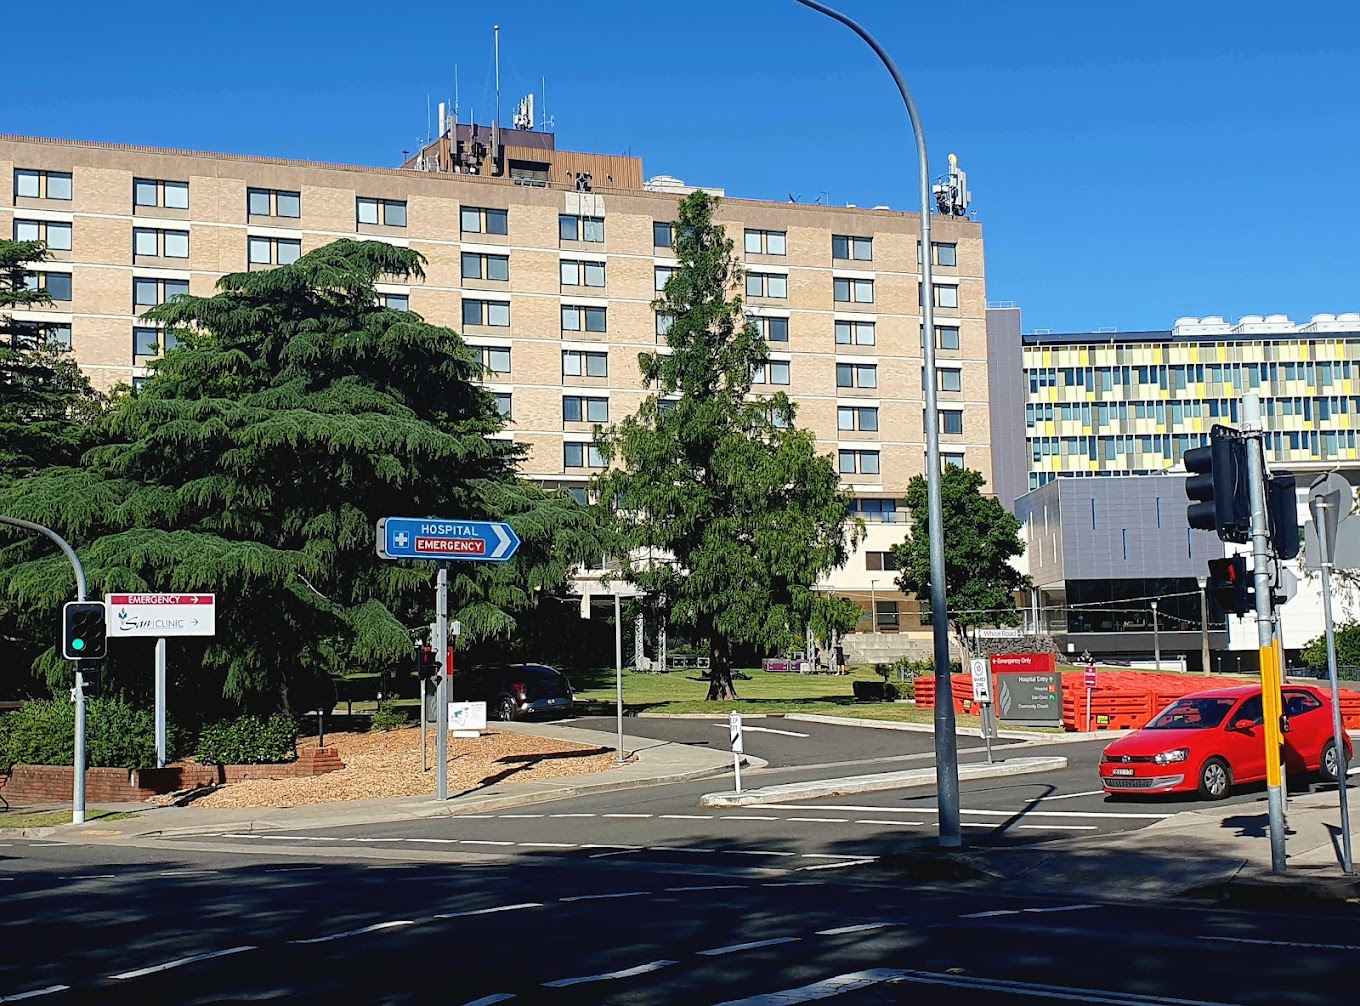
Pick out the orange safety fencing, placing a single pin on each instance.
(1120, 700)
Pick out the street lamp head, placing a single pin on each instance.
(1202, 581)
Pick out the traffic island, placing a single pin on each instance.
(788, 792)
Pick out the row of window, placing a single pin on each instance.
(1099, 415)
(151, 242)
(844, 290)
(1135, 447)
(1177, 377)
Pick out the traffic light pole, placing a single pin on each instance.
(1270, 670)
(441, 713)
(1326, 548)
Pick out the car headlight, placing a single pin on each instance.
(1167, 757)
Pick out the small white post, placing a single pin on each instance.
(160, 702)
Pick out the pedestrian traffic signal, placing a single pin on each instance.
(83, 635)
(1218, 486)
(427, 667)
(1230, 585)
(1283, 509)
(89, 677)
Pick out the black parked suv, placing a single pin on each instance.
(511, 691)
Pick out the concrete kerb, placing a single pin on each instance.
(929, 728)
(878, 782)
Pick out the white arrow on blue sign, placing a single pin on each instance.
(445, 538)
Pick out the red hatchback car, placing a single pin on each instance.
(1210, 741)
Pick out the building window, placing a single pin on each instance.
(877, 511)
(862, 418)
(153, 192)
(151, 341)
(661, 276)
(951, 421)
(580, 363)
(576, 273)
(55, 235)
(580, 455)
(273, 251)
(31, 184)
(57, 284)
(494, 358)
(395, 301)
(950, 379)
(880, 562)
(578, 409)
(886, 616)
(484, 220)
(853, 291)
(945, 254)
(495, 313)
(576, 318)
(488, 267)
(855, 333)
(772, 329)
(572, 228)
(149, 292)
(947, 336)
(957, 460)
(767, 284)
(856, 375)
(771, 372)
(663, 324)
(946, 294)
(383, 212)
(853, 249)
(273, 203)
(503, 404)
(36, 334)
(663, 234)
(766, 243)
(857, 462)
(150, 243)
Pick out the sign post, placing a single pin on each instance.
(734, 725)
(158, 616)
(982, 694)
(1090, 681)
(442, 539)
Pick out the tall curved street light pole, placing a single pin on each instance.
(946, 744)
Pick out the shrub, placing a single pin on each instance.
(247, 740)
(387, 718)
(117, 735)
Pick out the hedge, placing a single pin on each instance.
(247, 740)
(117, 735)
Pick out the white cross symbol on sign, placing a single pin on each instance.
(400, 539)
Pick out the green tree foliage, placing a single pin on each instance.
(1347, 641)
(726, 513)
(255, 462)
(980, 539)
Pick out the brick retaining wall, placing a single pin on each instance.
(53, 783)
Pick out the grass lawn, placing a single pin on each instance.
(51, 818)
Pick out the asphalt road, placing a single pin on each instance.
(175, 925)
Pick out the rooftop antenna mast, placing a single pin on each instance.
(497, 30)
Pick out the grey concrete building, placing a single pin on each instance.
(1102, 551)
(1005, 381)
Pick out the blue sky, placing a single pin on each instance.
(1130, 163)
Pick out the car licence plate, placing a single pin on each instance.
(1123, 771)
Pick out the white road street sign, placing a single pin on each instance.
(982, 680)
(160, 615)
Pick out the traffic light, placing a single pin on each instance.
(1282, 507)
(89, 674)
(1218, 486)
(1231, 585)
(427, 667)
(83, 635)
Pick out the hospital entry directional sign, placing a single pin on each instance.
(443, 538)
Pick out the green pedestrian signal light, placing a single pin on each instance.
(84, 634)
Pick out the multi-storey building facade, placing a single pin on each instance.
(1133, 402)
(547, 263)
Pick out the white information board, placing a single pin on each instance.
(467, 715)
(159, 615)
(982, 679)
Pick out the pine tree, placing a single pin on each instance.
(294, 412)
(726, 513)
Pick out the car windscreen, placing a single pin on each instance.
(1193, 714)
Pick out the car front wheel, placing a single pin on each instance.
(1328, 767)
(1215, 779)
(506, 709)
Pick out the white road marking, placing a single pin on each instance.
(757, 852)
(862, 928)
(828, 855)
(491, 911)
(762, 730)
(820, 820)
(626, 815)
(44, 845)
(790, 883)
(495, 997)
(825, 989)
(1282, 943)
(641, 969)
(97, 876)
(840, 865)
(987, 813)
(1060, 827)
(294, 869)
(481, 841)
(682, 848)
(1063, 992)
(185, 873)
(571, 815)
(755, 945)
(377, 926)
(898, 824)
(1061, 908)
(519, 817)
(177, 963)
(710, 887)
(369, 840)
(988, 915)
(231, 835)
(1072, 796)
(687, 817)
(605, 897)
(435, 841)
(747, 817)
(546, 845)
(476, 817)
(618, 850)
(34, 994)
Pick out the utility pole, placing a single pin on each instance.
(1156, 640)
(1320, 501)
(1204, 623)
(441, 713)
(1270, 671)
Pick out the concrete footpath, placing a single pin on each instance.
(1214, 852)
